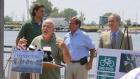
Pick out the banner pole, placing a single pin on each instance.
(1, 35)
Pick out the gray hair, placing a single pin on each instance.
(49, 20)
(118, 18)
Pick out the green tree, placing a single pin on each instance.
(68, 13)
(7, 19)
(82, 17)
(48, 6)
(128, 22)
(55, 13)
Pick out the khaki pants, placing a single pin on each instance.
(76, 71)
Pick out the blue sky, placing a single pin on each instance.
(92, 9)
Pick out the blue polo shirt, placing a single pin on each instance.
(78, 44)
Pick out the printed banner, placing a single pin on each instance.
(27, 61)
(113, 64)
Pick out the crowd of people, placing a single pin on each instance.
(76, 50)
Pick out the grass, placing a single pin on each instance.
(134, 27)
(90, 28)
(94, 28)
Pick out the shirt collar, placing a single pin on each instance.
(115, 33)
(33, 20)
(75, 33)
(52, 39)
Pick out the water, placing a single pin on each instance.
(10, 37)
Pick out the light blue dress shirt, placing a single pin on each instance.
(78, 44)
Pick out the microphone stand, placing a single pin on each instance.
(126, 57)
(125, 30)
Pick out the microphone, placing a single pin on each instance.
(31, 47)
(47, 54)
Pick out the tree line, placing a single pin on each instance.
(66, 13)
(54, 12)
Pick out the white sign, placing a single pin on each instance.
(113, 63)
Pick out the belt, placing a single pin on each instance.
(75, 61)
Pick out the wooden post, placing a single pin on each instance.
(1, 35)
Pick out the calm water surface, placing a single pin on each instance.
(10, 37)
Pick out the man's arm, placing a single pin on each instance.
(65, 51)
(20, 34)
(92, 55)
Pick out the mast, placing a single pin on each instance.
(136, 23)
(28, 13)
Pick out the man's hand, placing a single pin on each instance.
(22, 44)
(61, 44)
(65, 51)
(89, 65)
